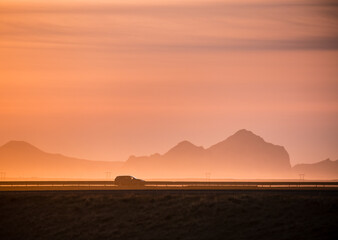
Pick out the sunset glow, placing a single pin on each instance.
(168, 119)
(104, 80)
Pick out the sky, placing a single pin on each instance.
(103, 80)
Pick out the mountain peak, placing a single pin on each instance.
(244, 134)
(240, 138)
(21, 146)
(328, 161)
(243, 131)
(185, 143)
(183, 147)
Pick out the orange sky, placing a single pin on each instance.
(107, 79)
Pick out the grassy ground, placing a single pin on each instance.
(169, 215)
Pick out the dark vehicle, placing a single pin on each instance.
(129, 181)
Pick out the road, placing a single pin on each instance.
(168, 185)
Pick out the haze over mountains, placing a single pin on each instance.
(21, 159)
(242, 155)
(326, 169)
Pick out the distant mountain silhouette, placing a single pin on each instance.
(326, 169)
(185, 159)
(246, 154)
(242, 155)
(21, 159)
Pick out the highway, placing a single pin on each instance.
(158, 185)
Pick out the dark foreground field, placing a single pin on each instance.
(169, 215)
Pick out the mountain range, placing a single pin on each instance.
(21, 159)
(326, 169)
(242, 155)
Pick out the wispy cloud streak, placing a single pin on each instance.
(209, 26)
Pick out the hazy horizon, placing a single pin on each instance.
(168, 119)
(243, 155)
(103, 80)
(19, 142)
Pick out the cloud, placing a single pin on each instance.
(187, 26)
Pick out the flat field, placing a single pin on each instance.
(169, 214)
